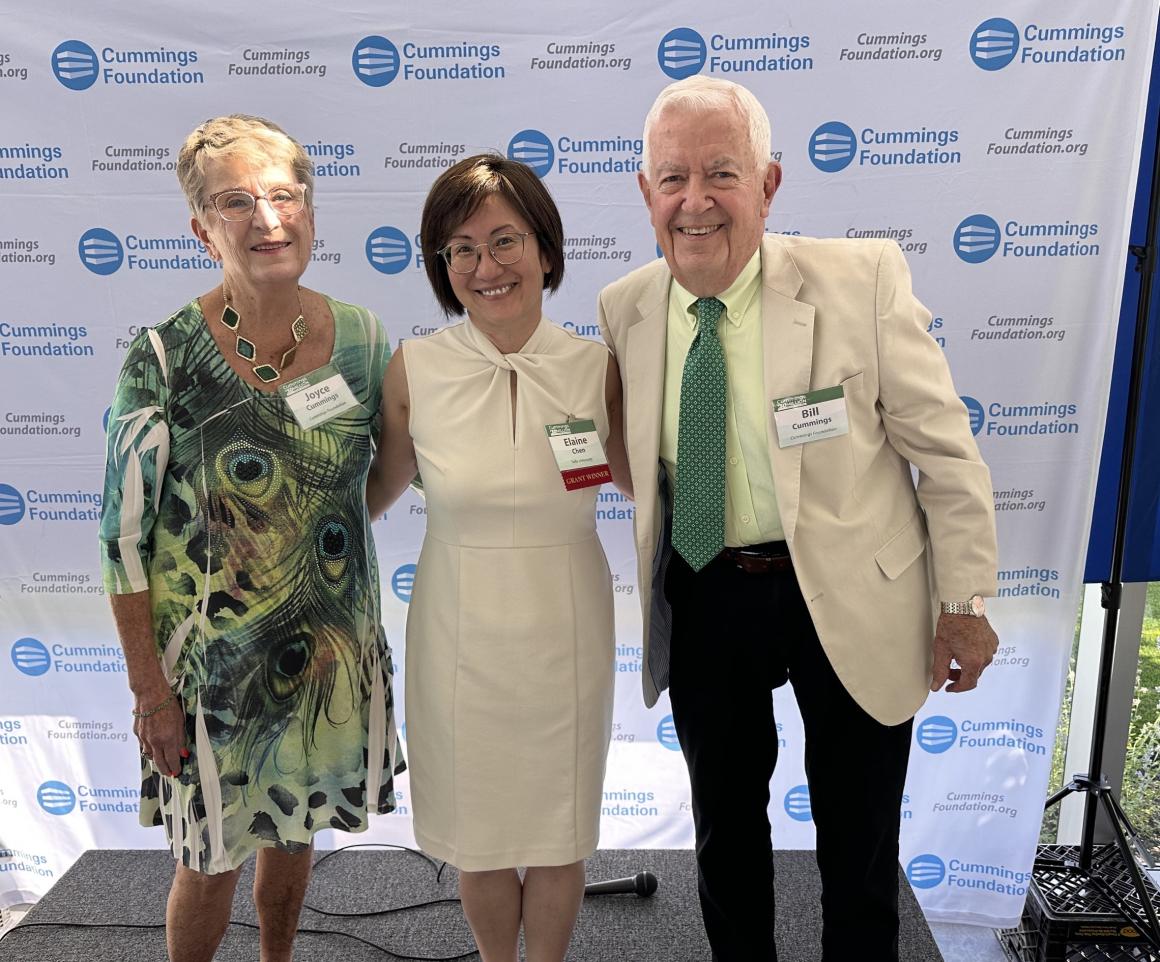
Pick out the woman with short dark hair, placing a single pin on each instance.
(512, 423)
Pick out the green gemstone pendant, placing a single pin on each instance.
(231, 318)
(267, 372)
(245, 348)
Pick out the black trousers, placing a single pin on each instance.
(736, 636)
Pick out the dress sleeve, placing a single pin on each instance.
(136, 459)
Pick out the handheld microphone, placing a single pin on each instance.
(642, 884)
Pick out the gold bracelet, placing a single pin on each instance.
(153, 711)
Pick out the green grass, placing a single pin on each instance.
(1141, 790)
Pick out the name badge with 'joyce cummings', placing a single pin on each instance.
(579, 453)
(317, 397)
(813, 416)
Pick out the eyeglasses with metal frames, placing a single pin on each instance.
(286, 200)
(505, 249)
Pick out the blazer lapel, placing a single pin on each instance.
(644, 378)
(787, 331)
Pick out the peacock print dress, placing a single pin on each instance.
(251, 535)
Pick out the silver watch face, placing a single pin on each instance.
(978, 609)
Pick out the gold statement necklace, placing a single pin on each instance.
(247, 350)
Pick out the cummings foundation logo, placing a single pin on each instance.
(75, 64)
(797, 803)
(999, 419)
(681, 53)
(998, 42)
(936, 734)
(78, 66)
(994, 43)
(576, 154)
(31, 657)
(11, 505)
(534, 148)
(929, 871)
(403, 582)
(834, 146)
(976, 238)
(388, 250)
(979, 237)
(56, 798)
(939, 734)
(926, 871)
(100, 251)
(667, 734)
(375, 61)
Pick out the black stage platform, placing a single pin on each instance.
(112, 886)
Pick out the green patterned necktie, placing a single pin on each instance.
(699, 506)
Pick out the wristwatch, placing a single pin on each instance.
(973, 606)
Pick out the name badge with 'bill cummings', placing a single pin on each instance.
(317, 397)
(813, 416)
(579, 453)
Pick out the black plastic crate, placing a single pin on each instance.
(1071, 918)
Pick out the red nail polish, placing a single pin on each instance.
(185, 753)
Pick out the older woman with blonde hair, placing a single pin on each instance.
(237, 550)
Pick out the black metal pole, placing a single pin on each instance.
(1112, 589)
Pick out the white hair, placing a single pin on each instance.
(708, 94)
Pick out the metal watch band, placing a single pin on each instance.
(957, 608)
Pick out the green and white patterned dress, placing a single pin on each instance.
(252, 536)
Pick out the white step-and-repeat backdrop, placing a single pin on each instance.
(999, 152)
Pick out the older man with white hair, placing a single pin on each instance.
(778, 391)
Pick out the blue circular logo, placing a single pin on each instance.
(75, 65)
(681, 53)
(975, 412)
(11, 505)
(936, 734)
(797, 803)
(925, 871)
(402, 582)
(832, 147)
(30, 657)
(100, 251)
(994, 43)
(388, 250)
(56, 798)
(375, 61)
(667, 734)
(534, 148)
(977, 238)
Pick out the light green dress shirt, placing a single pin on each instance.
(751, 514)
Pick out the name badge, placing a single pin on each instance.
(814, 416)
(579, 454)
(317, 397)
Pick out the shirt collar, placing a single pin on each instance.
(737, 298)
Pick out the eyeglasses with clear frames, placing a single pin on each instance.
(236, 205)
(504, 249)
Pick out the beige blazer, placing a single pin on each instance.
(872, 553)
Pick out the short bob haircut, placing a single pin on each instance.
(456, 195)
(255, 140)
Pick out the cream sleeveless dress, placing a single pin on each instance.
(509, 663)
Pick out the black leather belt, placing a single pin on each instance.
(759, 559)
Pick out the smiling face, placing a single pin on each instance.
(500, 296)
(707, 201)
(266, 249)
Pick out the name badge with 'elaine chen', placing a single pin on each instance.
(579, 454)
(317, 397)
